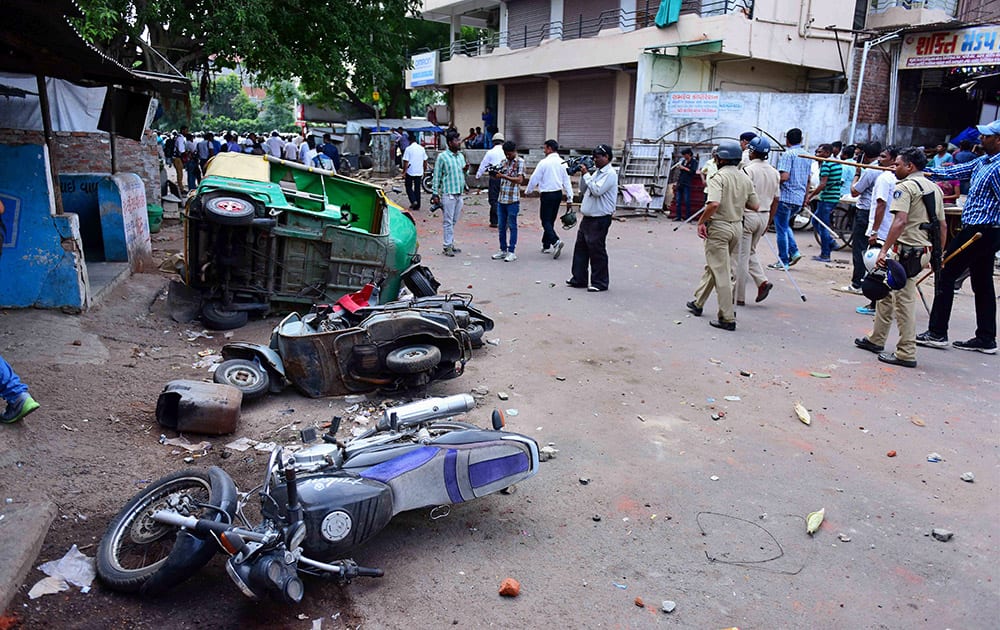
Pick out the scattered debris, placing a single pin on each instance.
(621, 586)
(802, 413)
(242, 444)
(944, 535)
(641, 419)
(480, 390)
(68, 428)
(969, 477)
(891, 454)
(844, 537)
(714, 477)
(717, 416)
(715, 361)
(560, 378)
(668, 606)
(191, 335)
(917, 421)
(493, 342)
(184, 443)
(510, 587)
(74, 567)
(934, 458)
(509, 490)
(638, 602)
(584, 481)
(597, 519)
(511, 412)
(546, 453)
(733, 398)
(819, 374)
(746, 373)
(502, 395)
(814, 520)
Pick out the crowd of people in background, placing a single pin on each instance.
(189, 153)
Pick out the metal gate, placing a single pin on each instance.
(586, 112)
(524, 113)
(647, 164)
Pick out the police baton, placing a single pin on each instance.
(689, 219)
(975, 237)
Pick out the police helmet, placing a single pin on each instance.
(760, 144)
(729, 150)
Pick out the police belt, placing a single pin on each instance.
(898, 246)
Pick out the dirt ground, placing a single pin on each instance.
(648, 499)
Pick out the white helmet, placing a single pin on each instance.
(871, 255)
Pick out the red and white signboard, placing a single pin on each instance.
(977, 46)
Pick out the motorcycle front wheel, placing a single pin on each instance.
(135, 546)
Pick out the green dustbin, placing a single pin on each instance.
(155, 217)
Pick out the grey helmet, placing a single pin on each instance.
(729, 150)
(760, 145)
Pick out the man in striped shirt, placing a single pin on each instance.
(448, 186)
(981, 214)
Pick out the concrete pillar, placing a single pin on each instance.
(627, 15)
(503, 25)
(642, 82)
(556, 20)
(552, 110)
(621, 132)
(501, 108)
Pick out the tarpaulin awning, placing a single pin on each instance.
(387, 124)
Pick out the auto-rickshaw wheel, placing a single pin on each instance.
(218, 317)
(229, 209)
(413, 359)
(246, 376)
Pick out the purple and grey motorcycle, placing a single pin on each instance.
(317, 504)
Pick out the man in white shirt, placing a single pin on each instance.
(493, 159)
(274, 145)
(414, 165)
(879, 219)
(291, 150)
(600, 194)
(552, 181)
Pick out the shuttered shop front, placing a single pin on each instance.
(524, 113)
(527, 22)
(586, 112)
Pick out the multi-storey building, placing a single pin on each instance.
(589, 71)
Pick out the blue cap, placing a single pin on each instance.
(992, 129)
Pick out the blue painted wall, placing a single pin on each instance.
(42, 257)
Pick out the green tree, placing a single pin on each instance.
(325, 43)
(277, 111)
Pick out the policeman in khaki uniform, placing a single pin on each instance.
(911, 245)
(728, 192)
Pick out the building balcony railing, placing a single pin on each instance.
(579, 27)
(948, 6)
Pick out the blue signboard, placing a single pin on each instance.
(424, 69)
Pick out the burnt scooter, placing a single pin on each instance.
(354, 348)
(317, 504)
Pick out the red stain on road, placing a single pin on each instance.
(629, 506)
(908, 576)
(801, 444)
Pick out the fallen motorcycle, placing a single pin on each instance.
(351, 347)
(317, 504)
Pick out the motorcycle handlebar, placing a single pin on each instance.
(424, 410)
(203, 526)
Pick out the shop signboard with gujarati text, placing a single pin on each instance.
(976, 46)
(700, 105)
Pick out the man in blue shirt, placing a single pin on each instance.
(794, 173)
(329, 149)
(981, 214)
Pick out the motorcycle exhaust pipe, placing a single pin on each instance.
(424, 410)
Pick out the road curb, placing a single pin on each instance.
(23, 528)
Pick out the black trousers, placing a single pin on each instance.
(591, 250)
(413, 190)
(978, 259)
(492, 194)
(859, 243)
(548, 209)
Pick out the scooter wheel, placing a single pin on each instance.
(246, 376)
(421, 282)
(476, 333)
(217, 317)
(426, 183)
(413, 359)
(135, 546)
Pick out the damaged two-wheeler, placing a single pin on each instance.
(352, 347)
(317, 504)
